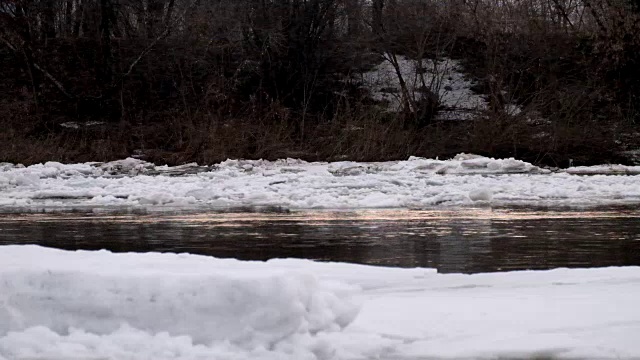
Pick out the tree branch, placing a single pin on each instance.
(144, 52)
(44, 72)
(148, 49)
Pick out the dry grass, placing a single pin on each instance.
(366, 134)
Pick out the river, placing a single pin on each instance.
(466, 240)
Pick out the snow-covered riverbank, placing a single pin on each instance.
(295, 184)
(97, 305)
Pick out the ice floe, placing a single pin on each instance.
(604, 170)
(58, 304)
(464, 180)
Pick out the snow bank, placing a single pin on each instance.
(415, 183)
(98, 305)
(179, 294)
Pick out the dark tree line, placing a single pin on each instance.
(283, 66)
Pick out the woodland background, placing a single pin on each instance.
(175, 81)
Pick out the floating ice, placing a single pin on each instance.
(604, 170)
(206, 299)
(296, 184)
(97, 305)
(481, 195)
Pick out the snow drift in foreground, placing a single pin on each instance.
(414, 183)
(97, 305)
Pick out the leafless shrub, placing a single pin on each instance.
(203, 80)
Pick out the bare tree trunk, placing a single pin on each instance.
(154, 17)
(48, 24)
(107, 19)
(596, 17)
(377, 17)
(32, 65)
(407, 99)
(354, 18)
(563, 16)
(68, 23)
(78, 18)
(169, 13)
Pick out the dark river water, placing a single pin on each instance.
(461, 240)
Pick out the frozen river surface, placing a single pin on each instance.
(417, 183)
(469, 267)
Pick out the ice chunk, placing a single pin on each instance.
(481, 195)
(296, 184)
(178, 294)
(98, 305)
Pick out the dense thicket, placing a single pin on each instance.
(183, 80)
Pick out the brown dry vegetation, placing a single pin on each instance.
(189, 80)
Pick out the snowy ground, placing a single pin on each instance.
(443, 78)
(415, 183)
(97, 305)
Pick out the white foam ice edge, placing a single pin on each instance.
(289, 183)
(58, 304)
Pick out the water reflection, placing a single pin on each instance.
(464, 240)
